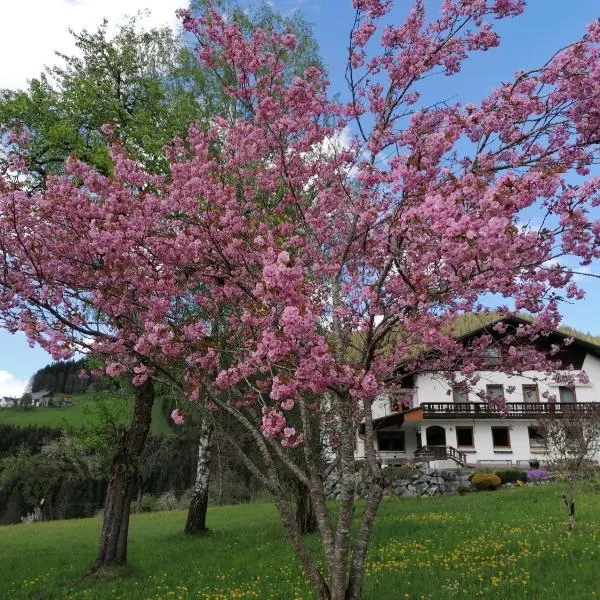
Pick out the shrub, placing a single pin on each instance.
(511, 476)
(463, 489)
(485, 481)
(478, 472)
(167, 501)
(185, 499)
(31, 517)
(147, 504)
(232, 492)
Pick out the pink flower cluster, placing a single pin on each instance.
(177, 417)
(274, 426)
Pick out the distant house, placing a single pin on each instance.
(41, 398)
(7, 402)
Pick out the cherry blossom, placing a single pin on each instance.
(292, 276)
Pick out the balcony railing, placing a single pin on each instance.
(511, 410)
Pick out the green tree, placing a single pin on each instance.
(138, 81)
(26, 401)
(147, 84)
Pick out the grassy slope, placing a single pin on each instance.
(79, 414)
(506, 544)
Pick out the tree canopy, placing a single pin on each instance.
(316, 251)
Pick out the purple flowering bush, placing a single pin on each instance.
(537, 474)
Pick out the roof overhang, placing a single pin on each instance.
(397, 418)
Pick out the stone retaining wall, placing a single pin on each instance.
(429, 482)
(424, 482)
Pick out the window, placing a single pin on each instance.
(530, 393)
(391, 441)
(491, 356)
(536, 438)
(459, 394)
(501, 437)
(464, 437)
(566, 394)
(495, 391)
(574, 434)
(408, 381)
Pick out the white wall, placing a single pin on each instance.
(483, 449)
(431, 387)
(381, 407)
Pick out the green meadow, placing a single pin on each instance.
(505, 544)
(83, 412)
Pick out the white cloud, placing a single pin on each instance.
(10, 385)
(340, 140)
(31, 31)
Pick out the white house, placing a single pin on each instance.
(41, 398)
(437, 423)
(7, 402)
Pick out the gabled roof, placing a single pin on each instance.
(574, 353)
(555, 336)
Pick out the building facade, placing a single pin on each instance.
(8, 402)
(431, 421)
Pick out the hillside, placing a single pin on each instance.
(87, 409)
(468, 322)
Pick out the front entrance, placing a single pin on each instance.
(436, 436)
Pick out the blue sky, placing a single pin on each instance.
(527, 41)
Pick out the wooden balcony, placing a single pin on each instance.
(512, 410)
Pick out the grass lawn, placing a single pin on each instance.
(509, 544)
(80, 414)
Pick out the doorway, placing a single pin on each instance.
(436, 436)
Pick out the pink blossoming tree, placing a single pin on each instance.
(78, 274)
(328, 265)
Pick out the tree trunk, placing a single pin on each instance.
(339, 566)
(361, 544)
(569, 501)
(311, 568)
(305, 514)
(123, 480)
(220, 472)
(196, 519)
